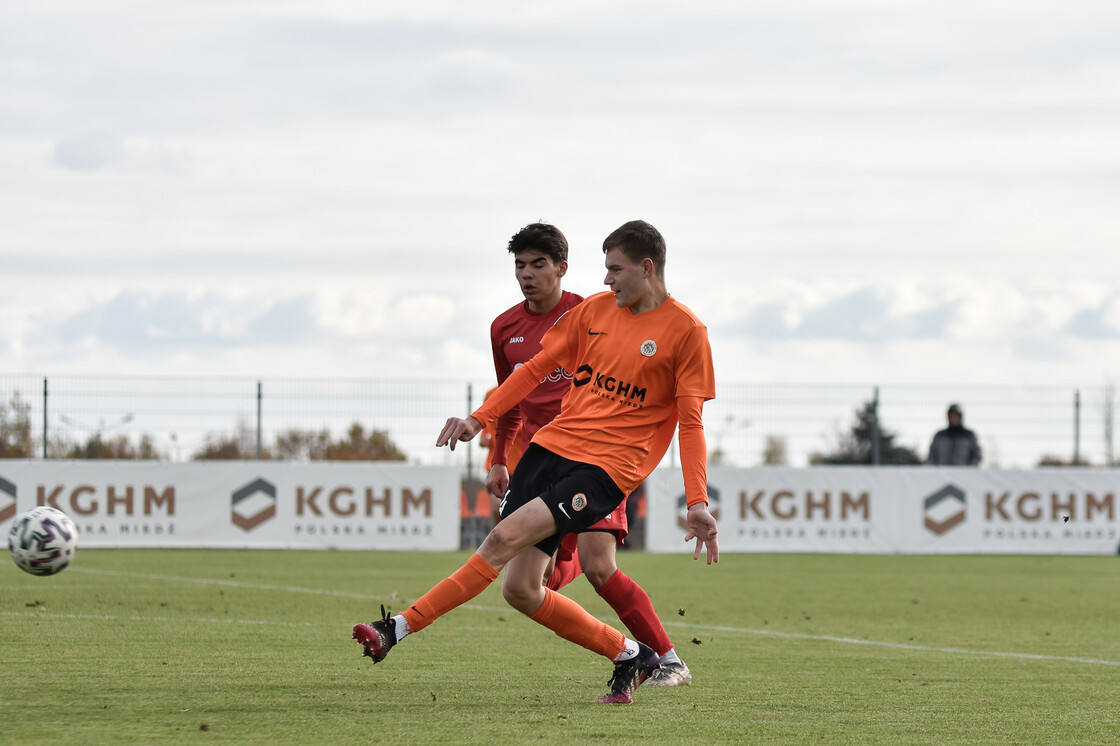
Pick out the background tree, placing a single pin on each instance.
(118, 447)
(15, 429)
(241, 445)
(776, 451)
(1050, 460)
(857, 446)
(357, 446)
(302, 445)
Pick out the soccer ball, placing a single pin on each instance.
(43, 541)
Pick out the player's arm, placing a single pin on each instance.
(694, 462)
(505, 430)
(514, 389)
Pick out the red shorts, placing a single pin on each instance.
(615, 521)
(568, 566)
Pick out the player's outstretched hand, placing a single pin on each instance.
(458, 430)
(702, 527)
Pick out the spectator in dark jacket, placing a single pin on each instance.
(956, 445)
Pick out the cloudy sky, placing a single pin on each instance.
(852, 190)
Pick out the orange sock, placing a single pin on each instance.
(571, 621)
(456, 589)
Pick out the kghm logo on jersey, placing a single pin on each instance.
(579, 501)
(608, 386)
(649, 348)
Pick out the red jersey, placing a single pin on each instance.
(515, 337)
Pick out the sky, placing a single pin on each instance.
(855, 191)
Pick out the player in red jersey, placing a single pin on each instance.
(641, 362)
(540, 253)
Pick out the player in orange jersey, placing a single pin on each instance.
(640, 362)
(540, 254)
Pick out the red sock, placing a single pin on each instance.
(571, 621)
(634, 608)
(567, 566)
(456, 589)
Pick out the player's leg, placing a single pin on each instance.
(597, 550)
(565, 565)
(577, 495)
(521, 586)
(521, 529)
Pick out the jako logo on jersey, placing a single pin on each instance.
(515, 340)
(585, 375)
(579, 501)
(649, 348)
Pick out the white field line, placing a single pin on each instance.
(224, 583)
(475, 607)
(45, 587)
(899, 645)
(178, 619)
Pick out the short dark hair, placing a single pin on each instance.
(541, 237)
(638, 240)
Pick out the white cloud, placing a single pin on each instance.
(845, 187)
(91, 150)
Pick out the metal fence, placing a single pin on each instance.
(1018, 426)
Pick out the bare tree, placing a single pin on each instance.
(15, 429)
(776, 451)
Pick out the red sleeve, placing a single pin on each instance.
(694, 449)
(509, 423)
(521, 382)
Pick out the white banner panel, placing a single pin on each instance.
(896, 509)
(255, 504)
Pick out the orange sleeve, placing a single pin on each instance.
(662, 439)
(694, 449)
(513, 390)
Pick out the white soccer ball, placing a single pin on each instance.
(43, 541)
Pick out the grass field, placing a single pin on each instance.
(180, 646)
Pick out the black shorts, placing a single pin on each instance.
(578, 494)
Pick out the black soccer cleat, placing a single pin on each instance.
(377, 638)
(629, 675)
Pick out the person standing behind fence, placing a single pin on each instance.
(956, 445)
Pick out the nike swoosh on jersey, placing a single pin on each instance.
(594, 334)
(561, 506)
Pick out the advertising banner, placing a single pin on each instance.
(263, 504)
(921, 510)
(242, 504)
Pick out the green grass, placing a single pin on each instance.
(248, 647)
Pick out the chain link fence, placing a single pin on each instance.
(747, 425)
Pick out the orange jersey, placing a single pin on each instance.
(628, 371)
